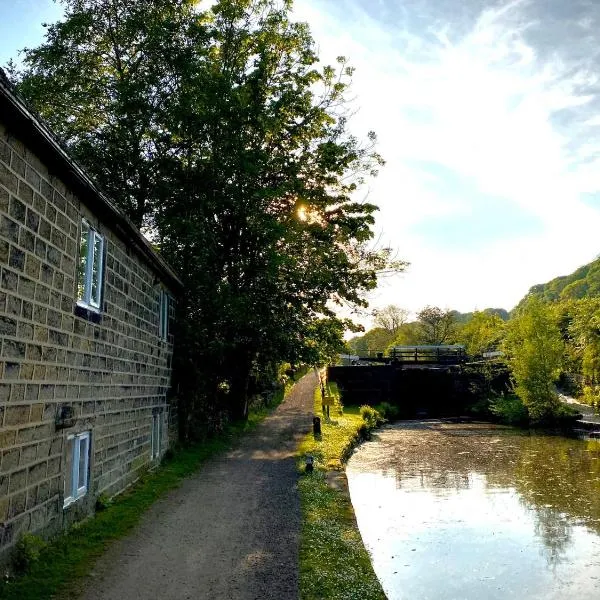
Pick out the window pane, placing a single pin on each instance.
(83, 258)
(82, 468)
(97, 271)
(69, 468)
(153, 437)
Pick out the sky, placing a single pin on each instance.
(488, 117)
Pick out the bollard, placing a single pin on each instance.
(316, 425)
(309, 464)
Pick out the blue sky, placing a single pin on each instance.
(488, 115)
(21, 24)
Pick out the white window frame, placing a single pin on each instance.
(156, 436)
(163, 311)
(78, 488)
(87, 300)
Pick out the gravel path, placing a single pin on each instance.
(229, 532)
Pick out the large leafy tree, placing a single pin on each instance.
(224, 136)
(436, 325)
(534, 349)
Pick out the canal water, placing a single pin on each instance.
(479, 512)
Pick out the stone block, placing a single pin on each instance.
(32, 220)
(4, 251)
(27, 240)
(10, 460)
(9, 280)
(37, 411)
(32, 266)
(37, 473)
(26, 288)
(17, 392)
(8, 179)
(16, 415)
(17, 504)
(28, 454)
(11, 371)
(13, 349)
(17, 209)
(16, 259)
(8, 326)
(18, 481)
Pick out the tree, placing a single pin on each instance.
(482, 333)
(391, 318)
(436, 326)
(534, 349)
(233, 151)
(102, 80)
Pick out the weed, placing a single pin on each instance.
(27, 553)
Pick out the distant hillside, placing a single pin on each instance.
(582, 283)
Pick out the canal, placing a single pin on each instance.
(477, 511)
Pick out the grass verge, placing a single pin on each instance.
(62, 565)
(334, 563)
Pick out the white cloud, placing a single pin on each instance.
(483, 104)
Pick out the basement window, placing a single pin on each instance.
(91, 266)
(156, 436)
(77, 466)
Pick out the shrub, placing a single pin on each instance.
(26, 552)
(102, 502)
(510, 409)
(371, 416)
(591, 395)
(388, 411)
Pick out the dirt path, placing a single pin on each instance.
(230, 532)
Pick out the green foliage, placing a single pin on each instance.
(582, 283)
(509, 409)
(220, 133)
(388, 411)
(27, 552)
(534, 349)
(102, 502)
(408, 334)
(390, 318)
(436, 326)
(371, 416)
(375, 340)
(482, 333)
(591, 395)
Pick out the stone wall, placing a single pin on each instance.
(112, 370)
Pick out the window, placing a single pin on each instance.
(164, 315)
(91, 256)
(78, 460)
(155, 436)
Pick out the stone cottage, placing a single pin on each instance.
(85, 357)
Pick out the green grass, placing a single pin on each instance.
(63, 563)
(334, 563)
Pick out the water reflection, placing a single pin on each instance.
(478, 511)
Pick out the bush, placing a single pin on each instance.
(371, 416)
(591, 395)
(102, 502)
(26, 552)
(510, 409)
(388, 411)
